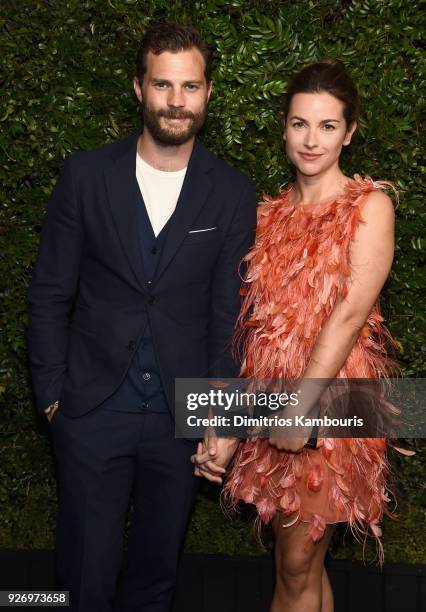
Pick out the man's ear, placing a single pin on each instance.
(349, 133)
(209, 89)
(137, 88)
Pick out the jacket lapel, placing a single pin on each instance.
(123, 197)
(195, 189)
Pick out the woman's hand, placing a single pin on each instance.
(284, 443)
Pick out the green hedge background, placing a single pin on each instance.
(66, 85)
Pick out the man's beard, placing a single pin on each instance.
(170, 137)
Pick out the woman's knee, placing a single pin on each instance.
(293, 570)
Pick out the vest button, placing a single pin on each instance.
(151, 300)
(146, 376)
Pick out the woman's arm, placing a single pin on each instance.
(371, 255)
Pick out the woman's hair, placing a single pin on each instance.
(328, 75)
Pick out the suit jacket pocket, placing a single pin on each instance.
(205, 236)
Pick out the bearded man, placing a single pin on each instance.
(136, 284)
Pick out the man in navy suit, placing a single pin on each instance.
(136, 284)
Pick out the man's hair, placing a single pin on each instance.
(174, 37)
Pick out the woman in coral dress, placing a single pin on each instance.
(323, 250)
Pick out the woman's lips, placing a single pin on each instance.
(310, 156)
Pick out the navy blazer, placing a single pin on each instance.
(89, 299)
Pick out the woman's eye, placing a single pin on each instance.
(329, 127)
(298, 124)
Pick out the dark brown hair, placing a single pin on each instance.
(327, 75)
(168, 36)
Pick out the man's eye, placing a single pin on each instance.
(191, 87)
(160, 85)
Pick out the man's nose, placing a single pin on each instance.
(176, 97)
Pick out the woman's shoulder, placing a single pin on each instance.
(281, 200)
(371, 190)
(375, 202)
(271, 206)
(379, 201)
(374, 214)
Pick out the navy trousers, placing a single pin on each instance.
(104, 459)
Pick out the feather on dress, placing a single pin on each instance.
(297, 269)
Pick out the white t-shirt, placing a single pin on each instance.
(160, 191)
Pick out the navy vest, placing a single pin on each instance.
(141, 389)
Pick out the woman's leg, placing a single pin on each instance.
(327, 603)
(301, 581)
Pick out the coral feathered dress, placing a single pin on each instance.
(298, 268)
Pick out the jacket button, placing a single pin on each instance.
(151, 300)
(131, 346)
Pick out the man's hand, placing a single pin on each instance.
(50, 410)
(213, 456)
(50, 415)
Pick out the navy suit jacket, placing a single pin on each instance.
(89, 298)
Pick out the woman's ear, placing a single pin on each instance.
(284, 130)
(349, 133)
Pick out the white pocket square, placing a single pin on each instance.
(207, 229)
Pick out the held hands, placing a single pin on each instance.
(213, 456)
